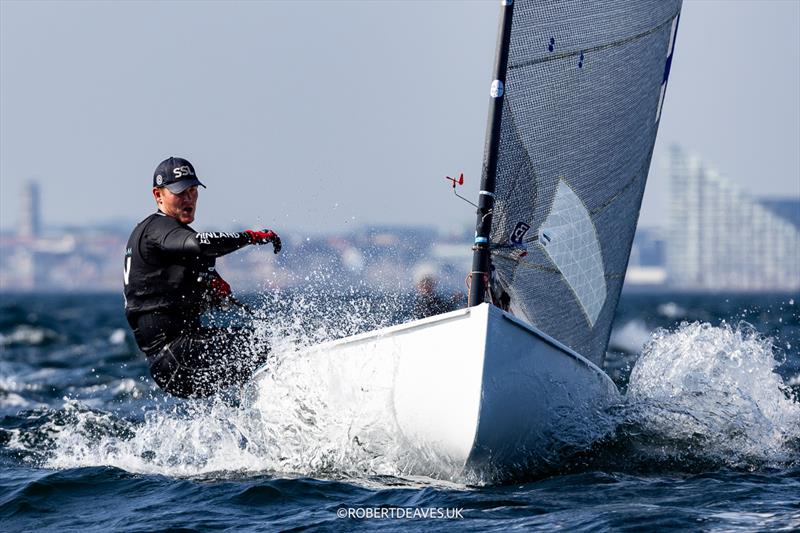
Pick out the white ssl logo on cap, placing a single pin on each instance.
(159, 180)
(182, 171)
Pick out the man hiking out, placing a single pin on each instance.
(170, 281)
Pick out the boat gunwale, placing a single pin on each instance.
(432, 320)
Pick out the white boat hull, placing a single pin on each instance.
(474, 391)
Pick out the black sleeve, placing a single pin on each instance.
(183, 240)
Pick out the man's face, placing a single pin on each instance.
(425, 287)
(181, 206)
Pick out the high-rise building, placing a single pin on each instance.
(30, 221)
(719, 238)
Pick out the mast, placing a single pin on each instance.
(480, 255)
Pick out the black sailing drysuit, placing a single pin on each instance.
(168, 272)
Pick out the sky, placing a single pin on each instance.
(322, 116)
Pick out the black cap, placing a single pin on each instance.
(176, 174)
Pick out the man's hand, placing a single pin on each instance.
(265, 236)
(220, 289)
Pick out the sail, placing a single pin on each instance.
(584, 88)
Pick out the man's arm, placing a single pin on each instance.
(182, 240)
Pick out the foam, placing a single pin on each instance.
(716, 390)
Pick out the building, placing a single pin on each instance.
(719, 238)
(30, 217)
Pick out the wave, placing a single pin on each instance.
(706, 393)
(27, 335)
(698, 395)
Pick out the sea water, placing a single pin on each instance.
(707, 434)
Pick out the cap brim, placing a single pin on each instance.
(180, 186)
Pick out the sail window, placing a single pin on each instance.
(569, 238)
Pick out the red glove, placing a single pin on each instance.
(220, 289)
(265, 236)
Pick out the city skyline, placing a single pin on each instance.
(700, 249)
(295, 123)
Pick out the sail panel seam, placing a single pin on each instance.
(564, 55)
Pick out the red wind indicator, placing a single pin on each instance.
(459, 181)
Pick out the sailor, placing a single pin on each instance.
(171, 280)
(428, 301)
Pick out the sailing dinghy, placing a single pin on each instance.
(503, 385)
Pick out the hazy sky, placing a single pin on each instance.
(310, 116)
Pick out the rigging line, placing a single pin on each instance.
(564, 55)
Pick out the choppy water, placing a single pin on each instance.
(708, 434)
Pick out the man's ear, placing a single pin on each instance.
(157, 192)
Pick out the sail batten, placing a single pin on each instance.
(585, 80)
